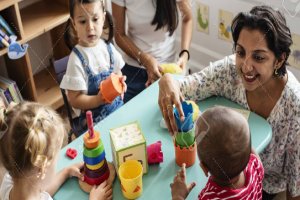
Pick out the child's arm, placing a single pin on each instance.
(180, 190)
(83, 101)
(62, 176)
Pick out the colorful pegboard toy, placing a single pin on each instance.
(96, 169)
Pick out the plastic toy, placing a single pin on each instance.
(187, 124)
(184, 142)
(96, 169)
(71, 153)
(131, 174)
(111, 88)
(196, 110)
(171, 68)
(155, 155)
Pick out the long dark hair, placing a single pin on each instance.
(271, 23)
(70, 35)
(166, 15)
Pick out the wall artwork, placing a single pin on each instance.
(202, 18)
(294, 59)
(225, 19)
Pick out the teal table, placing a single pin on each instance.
(145, 110)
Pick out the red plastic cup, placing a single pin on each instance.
(111, 88)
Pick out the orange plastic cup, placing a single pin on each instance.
(111, 88)
(185, 155)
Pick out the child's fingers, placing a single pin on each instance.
(171, 185)
(191, 186)
(183, 170)
(103, 184)
(79, 165)
(109, 197)
(109, 192)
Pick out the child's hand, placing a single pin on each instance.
(179, 188)
(101, 192)
(122, 80)
(74, 170)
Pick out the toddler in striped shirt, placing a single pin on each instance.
(234, 171)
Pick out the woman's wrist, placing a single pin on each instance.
(139, 57)
(184, 53)
(144, 57)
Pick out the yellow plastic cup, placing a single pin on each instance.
(130, 175)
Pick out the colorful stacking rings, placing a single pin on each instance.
(94, 160)
(95, 173)
(91, 142)
(97, 166)
(92, 153)
(96, 181)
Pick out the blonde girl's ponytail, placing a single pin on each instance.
(33, 138)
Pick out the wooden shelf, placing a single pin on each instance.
(3, 51)
(41, 17)
(48, 91)
(30, 20)
(6, 3)
(10, 13)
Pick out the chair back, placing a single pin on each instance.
(60, 67)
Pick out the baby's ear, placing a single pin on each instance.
(204, 168)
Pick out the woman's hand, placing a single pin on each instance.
(152, 68)
(181, 62)
(169, 95)
(179, 188)
(101, 192)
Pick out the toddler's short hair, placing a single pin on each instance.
(223, 142)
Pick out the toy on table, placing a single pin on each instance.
(155, 155)
(184, 142)
(96, 169)
(131, 174)
(71, 153)
(111, 88)
(171, 68)
(128, 143)
(196, 112)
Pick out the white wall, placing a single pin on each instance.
(208, 47)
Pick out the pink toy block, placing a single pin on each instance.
(155, 155)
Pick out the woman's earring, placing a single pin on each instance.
(276, 72)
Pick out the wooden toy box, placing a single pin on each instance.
(128, 143)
